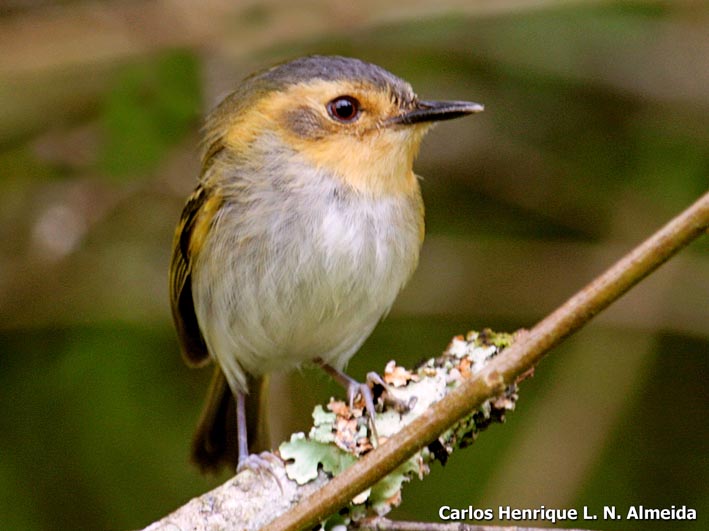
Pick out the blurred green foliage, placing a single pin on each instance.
(87, 403)
(148, 110)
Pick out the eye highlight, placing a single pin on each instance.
(344, 109)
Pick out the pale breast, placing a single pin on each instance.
(308, 275)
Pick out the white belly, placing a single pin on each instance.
(309, 276)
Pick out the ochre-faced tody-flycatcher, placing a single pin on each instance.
(306, 223)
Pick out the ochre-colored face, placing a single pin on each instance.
(342, 127)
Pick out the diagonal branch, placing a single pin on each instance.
(504, 370)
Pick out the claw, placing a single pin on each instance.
(355, 388)
(261, 465)
(374, 379)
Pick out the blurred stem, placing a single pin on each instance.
(92, 32)
(503, 370)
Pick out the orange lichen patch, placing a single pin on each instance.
(347, 428)
(464, 368)
(346, 434)
(398, 376)
(339, 408)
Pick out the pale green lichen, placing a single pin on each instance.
(322, 425)
(339, 437)
(308, 455)
(389, 487)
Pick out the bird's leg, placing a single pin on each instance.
(353, 387)
(258, 463)
(242, 437)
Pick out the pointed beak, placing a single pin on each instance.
(436, 111)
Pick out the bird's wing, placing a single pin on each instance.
(190, 236)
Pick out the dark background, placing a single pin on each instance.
(594, 134)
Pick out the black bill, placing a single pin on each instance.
(436, 111)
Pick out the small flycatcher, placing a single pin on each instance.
(305, 224)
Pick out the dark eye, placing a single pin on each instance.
(344, 109)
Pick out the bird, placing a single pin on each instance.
(306, 222)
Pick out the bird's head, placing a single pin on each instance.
(347, 117)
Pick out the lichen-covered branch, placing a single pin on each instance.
(340, 436)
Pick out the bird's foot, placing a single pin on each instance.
(387, 398)
(260, 464)
(355, 388)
